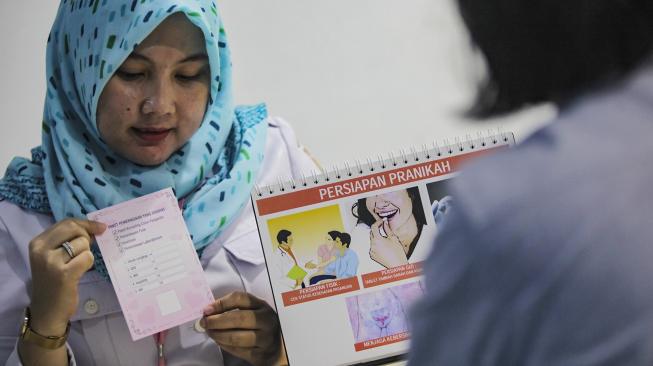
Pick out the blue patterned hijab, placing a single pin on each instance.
(74, 172)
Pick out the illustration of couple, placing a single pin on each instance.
(335, 260)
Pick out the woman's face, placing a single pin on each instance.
(156, 100)
(396, 206)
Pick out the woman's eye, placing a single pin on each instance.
(129, 76)
(192, 77)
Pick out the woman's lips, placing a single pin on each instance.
(151, 135)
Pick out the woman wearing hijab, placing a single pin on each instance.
(139, 98)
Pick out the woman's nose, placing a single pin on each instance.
(382, 203)
(160, 100)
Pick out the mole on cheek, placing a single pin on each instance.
(128, 109)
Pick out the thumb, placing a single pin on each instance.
(374, 229)
(93, 227)
(388, 230)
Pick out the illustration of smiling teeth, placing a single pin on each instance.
(387, 214)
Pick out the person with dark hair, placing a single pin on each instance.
(287, 261)
(396, 220)
(140, 98)
(282, 236)
(545, 257)
(345, 264)
(326, 253)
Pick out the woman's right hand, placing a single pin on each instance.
(386, 250)
(55, 275)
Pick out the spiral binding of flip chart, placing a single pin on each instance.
(443, 148)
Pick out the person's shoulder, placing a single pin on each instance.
(4, 206)
(285, 157)
(281, 134)
(18, 226)
(594, 146)
(496, 185)
(12, 215)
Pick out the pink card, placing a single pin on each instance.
(152, 263)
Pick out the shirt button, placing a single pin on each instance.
(91, 307)
(198, 327)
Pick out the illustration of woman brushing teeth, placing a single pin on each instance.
(396, 220)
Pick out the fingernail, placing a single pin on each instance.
(208, 310)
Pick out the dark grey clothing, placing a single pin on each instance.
(547, 257)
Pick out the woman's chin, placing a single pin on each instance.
(149, 155)
(400, 222)
(148, 159)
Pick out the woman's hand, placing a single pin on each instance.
(55, 275)
(386, 250)
(245, 326)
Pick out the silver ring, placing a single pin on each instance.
(69, 249)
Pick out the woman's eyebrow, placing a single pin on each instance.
(194, 57)
(138, 56)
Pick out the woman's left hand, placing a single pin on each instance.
(245, 326)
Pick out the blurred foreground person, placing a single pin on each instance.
(545, 257)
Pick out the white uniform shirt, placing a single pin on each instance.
(98, 332)
(284, 263)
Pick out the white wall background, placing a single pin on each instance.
(355, 77)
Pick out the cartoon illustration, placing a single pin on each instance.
(295, 239)
(440, 200)
(344, 265)
(396, 220)
(381, 313)
(287, 261)
(440, 208)
(326, 253)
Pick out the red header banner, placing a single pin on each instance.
(368, 183)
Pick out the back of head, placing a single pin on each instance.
(551, 50)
